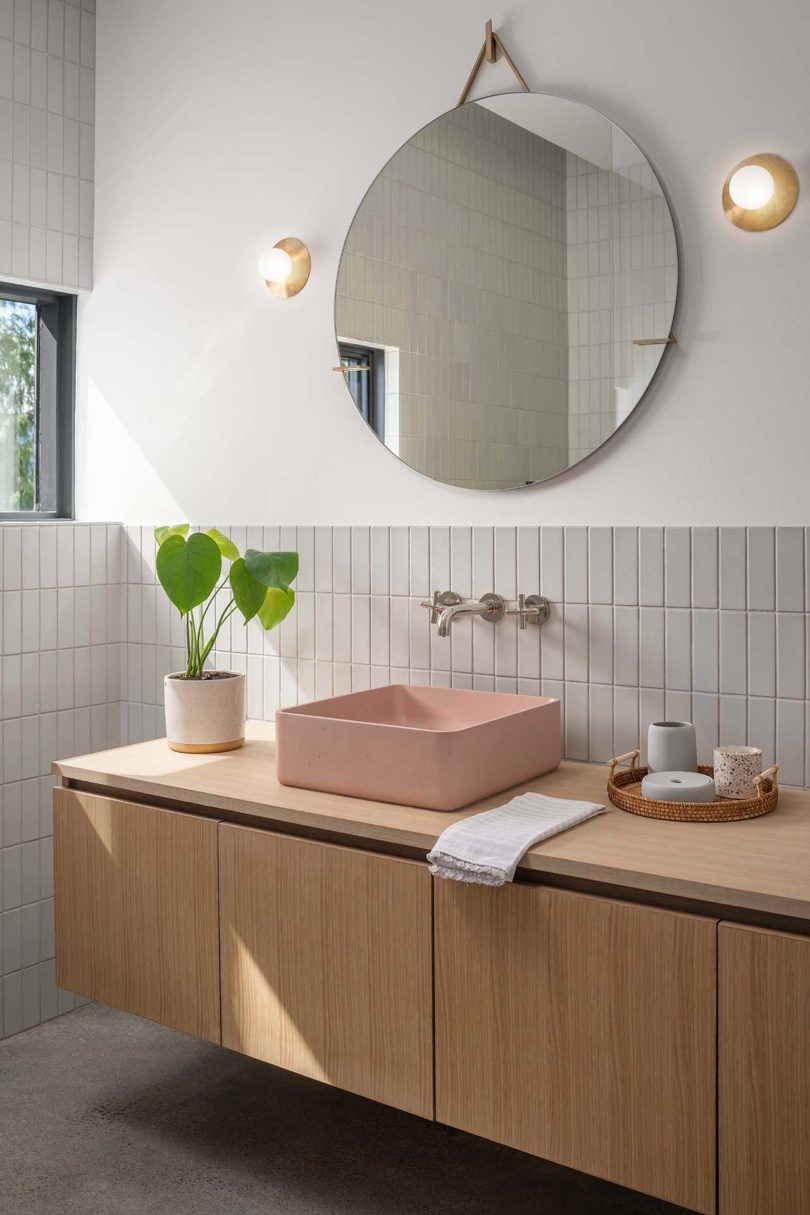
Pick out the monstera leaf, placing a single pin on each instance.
(248, 594)
(272, 569)
(188, 570)
(277, 604)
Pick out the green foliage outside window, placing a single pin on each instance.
(18, 405)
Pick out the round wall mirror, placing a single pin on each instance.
(506, 291)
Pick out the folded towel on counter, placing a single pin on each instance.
(486, 848)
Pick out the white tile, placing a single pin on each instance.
(600, 564)
(399, 632)
(419, 561)
(576, 721)
(483, 562)
(625, 565)
(576, 642)
(400, 575)
(380, 631)
(706, 718)
(651, 707)
(576, 565)
(419, 635)
(47, 556)
(600, 727)
(705, 651)
(506, 562)
(733, 652)
(651, 647)
(733, 721)
(551, 563)
(439, 559)
(790, 651)
(461, 561)
(625, 720)
(651, 566)
(361, 561)
(30, 558)
(342, 644)
(678, 646)
(12, 558)
(626, 645)
(762, 727)
(305, 621)
(380, 559)
(341, 560)
(305, 538)
(790, 569)
(761, 569)
(677, 561)
(323, 559)
(790, 741)
(600, 627)
(678, 705)
(761, 654)
(552, 645)
(704, 567)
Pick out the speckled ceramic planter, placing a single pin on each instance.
(205, 715)
(734, 771)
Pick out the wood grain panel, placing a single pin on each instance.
(582, 1030)
(760, 865)
(136, 909)
(764, 1054)
(326, 964)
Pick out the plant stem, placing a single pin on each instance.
(227, 612)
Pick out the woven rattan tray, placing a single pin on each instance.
(624, 790)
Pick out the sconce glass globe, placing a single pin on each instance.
(751, 187)
(275, 266)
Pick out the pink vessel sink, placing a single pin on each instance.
(439, 748)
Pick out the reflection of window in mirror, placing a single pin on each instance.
(367, 382)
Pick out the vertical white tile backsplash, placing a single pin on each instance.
(60, 688)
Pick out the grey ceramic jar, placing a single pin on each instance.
(672, 747)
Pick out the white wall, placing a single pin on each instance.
(222, 128)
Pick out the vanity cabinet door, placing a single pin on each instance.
(764, 1035)
(326, 964)
(136, 909)
(581, 1030)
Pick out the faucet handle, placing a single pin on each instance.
(442, 599)
(535, 609)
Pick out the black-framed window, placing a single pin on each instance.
(37, 373)
(366, 381)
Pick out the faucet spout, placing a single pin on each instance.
(483, 607)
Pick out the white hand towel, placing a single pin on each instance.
(486, 848)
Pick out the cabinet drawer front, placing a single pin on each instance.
(764, 1072)
(582, 1030)
(136, 909)
(326, 963)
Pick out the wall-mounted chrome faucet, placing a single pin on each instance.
(447, 605)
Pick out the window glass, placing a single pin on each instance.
(18, 406)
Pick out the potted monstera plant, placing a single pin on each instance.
(209, 581)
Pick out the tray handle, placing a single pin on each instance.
(768, 774)
(631, 757)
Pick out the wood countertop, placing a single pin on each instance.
(761, 865)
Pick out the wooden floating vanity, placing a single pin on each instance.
(636, 1006)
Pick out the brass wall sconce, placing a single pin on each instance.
(760, 192)
(285, 268)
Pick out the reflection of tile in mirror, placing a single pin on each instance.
(504, 278)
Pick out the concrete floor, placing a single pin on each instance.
(104, 1114)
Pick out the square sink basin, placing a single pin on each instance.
(439, 748)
